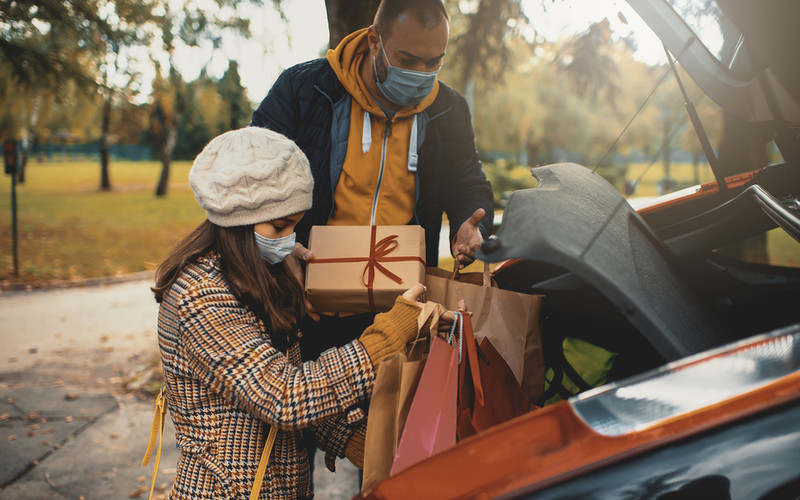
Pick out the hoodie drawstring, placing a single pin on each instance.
(366, 134)
(412, 147)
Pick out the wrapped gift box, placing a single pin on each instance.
(363, 268)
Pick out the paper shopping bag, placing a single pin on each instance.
(488, 392)
(431, 423)
(395, 385)
(510, 320)
(396, 380)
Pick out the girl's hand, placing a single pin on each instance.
(414, 293)
(301, 254)
(446, 319)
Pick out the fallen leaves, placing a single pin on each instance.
(137, 492)
(141, 490)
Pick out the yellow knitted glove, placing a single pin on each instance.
(354, 449)
(391, 331)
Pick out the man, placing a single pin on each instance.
(388, 143)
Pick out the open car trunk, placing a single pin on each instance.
(657, 284)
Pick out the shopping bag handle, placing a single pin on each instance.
(458, 324)
(463, 322)
(430, 311)
(472, 355)
(487, 275)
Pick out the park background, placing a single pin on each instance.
(111, 100)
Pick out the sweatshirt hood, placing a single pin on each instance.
(346, 60)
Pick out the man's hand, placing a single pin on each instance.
(301, 253)
(468, 239)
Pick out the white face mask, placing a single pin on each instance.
(275, 250)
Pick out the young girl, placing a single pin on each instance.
(228, 334)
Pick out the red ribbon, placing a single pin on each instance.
(378, 252)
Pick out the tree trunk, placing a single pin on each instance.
(105, 179)
(166, 158)
(696, 166)
(347, 16)
(32, 122)
(667, 153)
(666, 184)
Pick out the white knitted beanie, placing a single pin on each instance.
(251, 175)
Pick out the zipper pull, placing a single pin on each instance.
(388, 131)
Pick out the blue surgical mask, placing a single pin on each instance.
(275, 250)
(404, 87)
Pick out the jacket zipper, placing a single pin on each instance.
(387, 131)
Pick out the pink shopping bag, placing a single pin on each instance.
(431, 423)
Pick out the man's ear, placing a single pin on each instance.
(374, 41)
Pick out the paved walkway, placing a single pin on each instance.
(73, 422)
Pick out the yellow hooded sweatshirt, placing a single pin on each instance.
(377, 184)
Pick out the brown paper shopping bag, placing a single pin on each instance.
(509, 319)
(395, 385)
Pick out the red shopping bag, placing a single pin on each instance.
(488, 392)
(431, 423)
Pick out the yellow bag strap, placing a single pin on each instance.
(262, 464)
(156, 429)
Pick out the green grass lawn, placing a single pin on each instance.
(68, 229)
(683, 173)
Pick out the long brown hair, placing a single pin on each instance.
(270, 291)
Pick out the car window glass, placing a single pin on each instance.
(715, 31)
(774, 247)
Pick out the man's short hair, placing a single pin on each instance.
(429, 13)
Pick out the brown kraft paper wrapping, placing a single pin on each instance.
(363, 268)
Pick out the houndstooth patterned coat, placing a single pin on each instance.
(226, 384)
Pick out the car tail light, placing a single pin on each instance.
(691, 384)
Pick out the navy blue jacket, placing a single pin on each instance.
(309, 105)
